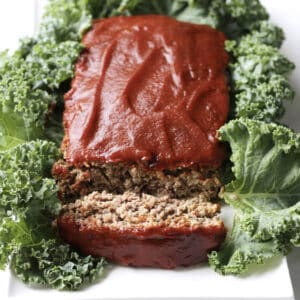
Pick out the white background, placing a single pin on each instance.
(18, 18)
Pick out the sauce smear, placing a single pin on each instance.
(148, 89)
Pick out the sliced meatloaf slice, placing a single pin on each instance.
(143, 230)
(117, 178)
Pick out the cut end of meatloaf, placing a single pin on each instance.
(143, 230)
(77, 181)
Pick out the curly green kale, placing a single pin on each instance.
(31, 79)
(28, 194)
(266, 33)
(264, 194)
(64, 20)
(258, 74)
(27, 87)
(211, 12)
(239, 251)
(265, 101)
(234, 17)
(53, 264)
(243, 16)
(25, 177)
(28, 205)
(22, 108)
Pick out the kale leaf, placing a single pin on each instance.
(54, 264)
(265, 194)
(28, 207)
(65, 20)
(209, 12)
(243, 16)
(266, 33)
(30, 79)
(27, 89)
(258, 74)
(22, 108)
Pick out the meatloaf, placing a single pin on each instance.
(140, 151)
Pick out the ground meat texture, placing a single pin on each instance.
(118, 178)
(143, 230)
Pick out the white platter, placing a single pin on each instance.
(18, 18)
(195, 283)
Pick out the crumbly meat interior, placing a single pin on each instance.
(117, 178)
(130, 211)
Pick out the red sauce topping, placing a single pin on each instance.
(148, 89)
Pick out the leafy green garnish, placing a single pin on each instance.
(65, 20)
(258, 73)
(243, 16)
(266, 33)
(53, 264)
(22, 108)
(28, 206)
(25, 178)
(265, 194)
(30, 79)
(27, 89)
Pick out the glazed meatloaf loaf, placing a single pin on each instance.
(141, 156)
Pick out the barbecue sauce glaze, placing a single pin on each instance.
(148, 90)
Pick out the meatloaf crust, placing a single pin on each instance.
(143, 231)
